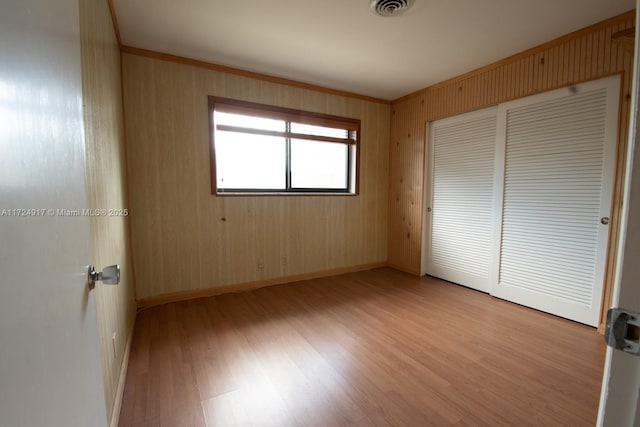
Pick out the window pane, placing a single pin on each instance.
(318, 164)
(319, 130)
(248, 121)
(250, 161)
(246, 160)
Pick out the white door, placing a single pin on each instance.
(619, 405)
(50, 371)
(459, 200)
(556, 153)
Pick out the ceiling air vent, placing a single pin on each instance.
(390, 7)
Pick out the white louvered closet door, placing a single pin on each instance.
(558, 154)
(459, 207)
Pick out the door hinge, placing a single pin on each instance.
(623, 330)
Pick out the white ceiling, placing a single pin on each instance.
(340, 44)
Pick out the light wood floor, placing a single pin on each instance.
(377, 348)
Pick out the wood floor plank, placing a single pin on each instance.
(374, 348)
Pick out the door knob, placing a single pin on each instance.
(109, 275)
(604, 220)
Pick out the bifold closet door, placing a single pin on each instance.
(555, 191)
(459, 200)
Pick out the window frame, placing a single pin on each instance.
(352, 145)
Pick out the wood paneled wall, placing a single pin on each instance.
(107, 188)
(584, 55)
(185, 239)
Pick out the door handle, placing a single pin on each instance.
(109, 275)
(604, 220)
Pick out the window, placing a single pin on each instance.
(264, 149)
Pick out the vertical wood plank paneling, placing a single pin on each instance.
(585, 55)
(527, 71)
(568, 70)
(550, 75)
(517, 78)
(599, 52)
(543, 69)
(106, 185)
(498, 85)
(535, 69)
(588, 61)
(510, 81)
(619, 49)
(186, 239)
(581, 58)
(551, 68)
(514, 79)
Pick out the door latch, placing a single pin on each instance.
(623, 330)
(109, 275)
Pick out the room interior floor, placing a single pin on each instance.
(374, 348)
